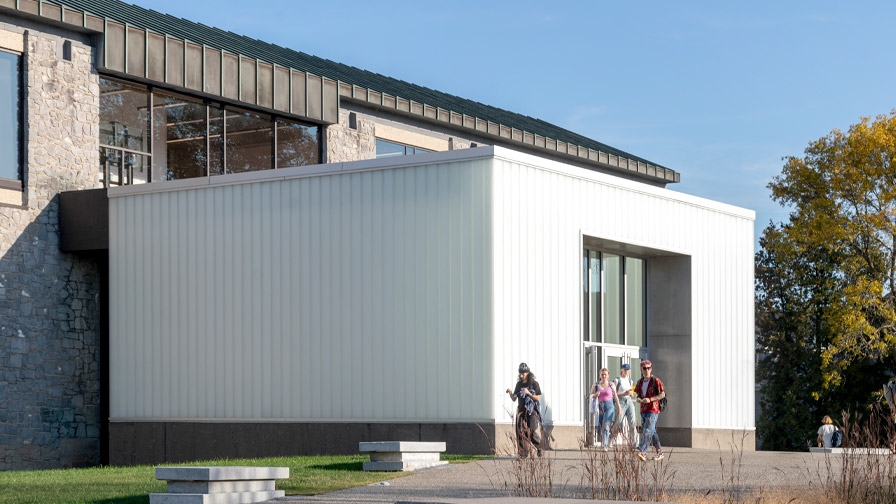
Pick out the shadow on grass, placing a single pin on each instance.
(128, 499)
(339, 466)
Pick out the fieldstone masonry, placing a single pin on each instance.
(346, 144)
(49, 301)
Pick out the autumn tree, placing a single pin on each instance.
(825, 282)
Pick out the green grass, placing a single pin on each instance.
(132, 485)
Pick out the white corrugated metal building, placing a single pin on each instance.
(217, 247)
(378, 293)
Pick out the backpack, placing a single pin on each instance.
(836, 438)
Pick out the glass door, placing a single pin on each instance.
(593, 362)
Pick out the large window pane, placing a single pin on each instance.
(248, 142)
(634, 301)
(179, 133)
(612, 266)
(124, 121)
(388, 149)
(594, 296)
(297, 144)
(10, 116)
(215, 140)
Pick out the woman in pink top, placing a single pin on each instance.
(605, 393)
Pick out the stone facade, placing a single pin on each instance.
(347, 143)
(354, 137)
(49, 300)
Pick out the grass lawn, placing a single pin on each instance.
(132, 485)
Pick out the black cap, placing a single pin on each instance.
(524, 368)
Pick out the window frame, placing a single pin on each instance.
(157, 94)
(18, 184)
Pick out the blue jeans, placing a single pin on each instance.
(648, 432)
(607, 412)
(627, 413)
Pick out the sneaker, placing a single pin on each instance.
(642, 455)
(659, 455)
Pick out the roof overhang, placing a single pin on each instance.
(507, 135)
(156, 58)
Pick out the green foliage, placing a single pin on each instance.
(825, 283)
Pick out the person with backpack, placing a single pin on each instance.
(527, 394)
(624, 390)
(828, 434)
(650, 392)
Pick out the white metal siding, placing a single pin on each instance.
(402, 293)
(358, 295)
(541, 207)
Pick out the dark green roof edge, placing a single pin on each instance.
(214, 37)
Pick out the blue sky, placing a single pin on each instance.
(718, 91)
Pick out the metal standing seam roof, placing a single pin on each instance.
(345, 74)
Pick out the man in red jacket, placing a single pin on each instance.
(650, 390)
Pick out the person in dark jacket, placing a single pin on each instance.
(527, 394)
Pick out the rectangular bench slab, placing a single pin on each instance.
(854, 451)
(402, 455)
(218, 484)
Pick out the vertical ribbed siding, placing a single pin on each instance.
(539, 215)
(348, 296)
(407, 294)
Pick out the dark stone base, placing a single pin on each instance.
(149, 443)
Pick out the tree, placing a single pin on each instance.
(825, 281)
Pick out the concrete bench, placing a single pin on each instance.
(855, 451)
(218, 484)
(402, 455)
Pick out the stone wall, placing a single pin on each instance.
(50, 301)
(354, 137)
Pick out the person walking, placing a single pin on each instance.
(650, 391)
(608, 403)
(527, 394)
(623, 385)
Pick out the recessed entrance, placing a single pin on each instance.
(613, 331)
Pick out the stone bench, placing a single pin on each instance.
(855, 451)
(402, 455)
(218, 484)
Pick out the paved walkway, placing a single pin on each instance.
(684, 470)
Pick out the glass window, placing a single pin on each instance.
(179, 133)
(388, 149)
(612, 271)
(614, 299)
(594, 270)
(124, 133)
(185, 137)
(10, 116)
(634, 301)
(248, 142)
(215, 140)
(297, 144)
(124, 121)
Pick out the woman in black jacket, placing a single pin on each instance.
(527, 394)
